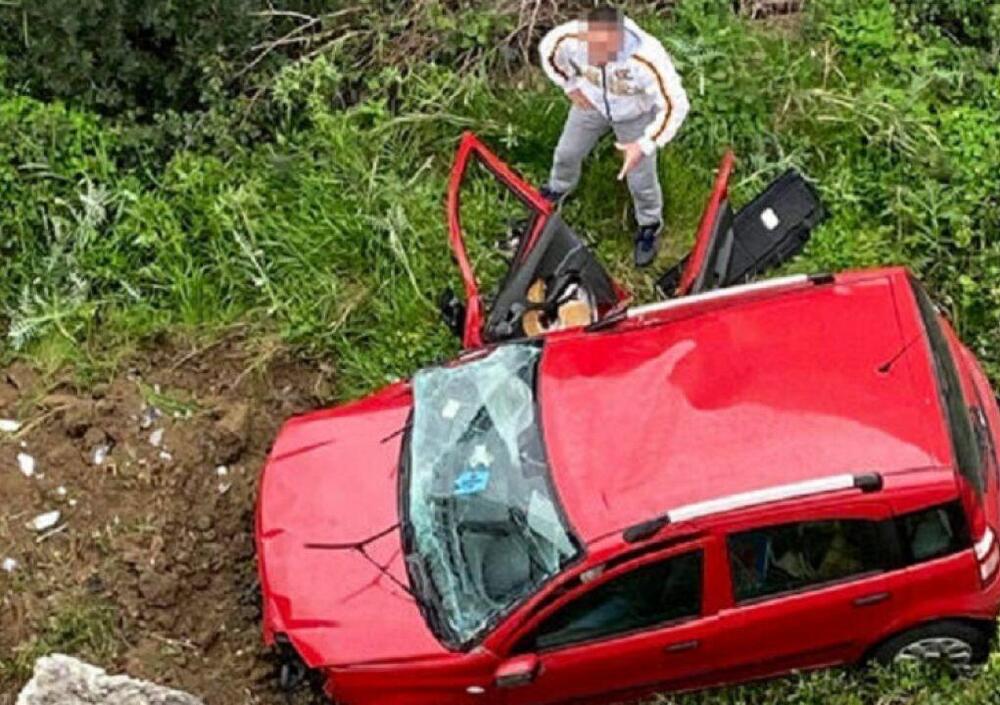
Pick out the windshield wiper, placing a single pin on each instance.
(425, 594)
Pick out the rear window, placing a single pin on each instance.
(798, 556)
(965, 444)
(793, 557)
(933, 533)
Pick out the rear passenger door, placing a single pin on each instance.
(809, 589)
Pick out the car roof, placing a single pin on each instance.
(746, 394)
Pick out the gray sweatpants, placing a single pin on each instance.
(582, 131)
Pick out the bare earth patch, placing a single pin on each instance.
(149, 568)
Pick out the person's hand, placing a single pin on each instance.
(578, 99)
(631, 154)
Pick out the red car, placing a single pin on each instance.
(595, 501)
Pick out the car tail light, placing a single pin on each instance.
(988, 555)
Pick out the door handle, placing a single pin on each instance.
(873, 599)
(682, 646)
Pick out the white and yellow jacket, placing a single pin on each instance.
(641, 79)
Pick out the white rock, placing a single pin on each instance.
(156, 438)
(222, 471)
(64, 680)
(9, 565)
(149, 415)
(45, 521)
(100, 454)
(165, 456)
(9, 426)
(61, 491)
(26, 463)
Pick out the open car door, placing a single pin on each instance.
(734, 247)
(553, 281)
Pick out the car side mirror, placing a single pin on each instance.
(517, 671)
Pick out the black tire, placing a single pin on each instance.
(959, 645)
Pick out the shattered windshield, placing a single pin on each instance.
(483, 526)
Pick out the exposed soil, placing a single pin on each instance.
(157, 536)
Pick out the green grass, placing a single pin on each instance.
(85, 628)
(897, 686)
(332, 234)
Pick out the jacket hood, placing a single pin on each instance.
(632, 40)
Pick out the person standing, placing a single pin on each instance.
(617, 77)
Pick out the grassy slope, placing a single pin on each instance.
(333, 234)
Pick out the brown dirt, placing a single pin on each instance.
(155, 540)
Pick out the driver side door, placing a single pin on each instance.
(638, 627)
(553, 281)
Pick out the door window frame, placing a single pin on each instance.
(577, 588)
(885, 528)
(840, 506)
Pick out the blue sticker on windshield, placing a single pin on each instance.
(472, 480)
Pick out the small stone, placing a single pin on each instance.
(156, 438)
(222, 471)
(9, 426)
(45, 521)
(26, 464)
(9, 565)
(148, 417)
(61, 491)
(100, 454)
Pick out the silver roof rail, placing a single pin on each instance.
(794, 281)
(870, 482)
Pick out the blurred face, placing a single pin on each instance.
(604, 40)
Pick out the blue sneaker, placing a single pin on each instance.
(647, 244)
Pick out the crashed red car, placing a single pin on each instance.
(596, 501)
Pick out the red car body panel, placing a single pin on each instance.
(674, 404)
(329, 485)
(730, 401)
(719, 193)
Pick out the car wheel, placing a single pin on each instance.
(960, 646)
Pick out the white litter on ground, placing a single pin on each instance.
(222, 471)
(100, 454)
(9, 565)
(149, 415)
(45, 521)
(9, 426)
(156, 438)
(26, 464)
(61, 491)
(165, 456)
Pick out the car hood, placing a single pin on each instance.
(329, 546)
